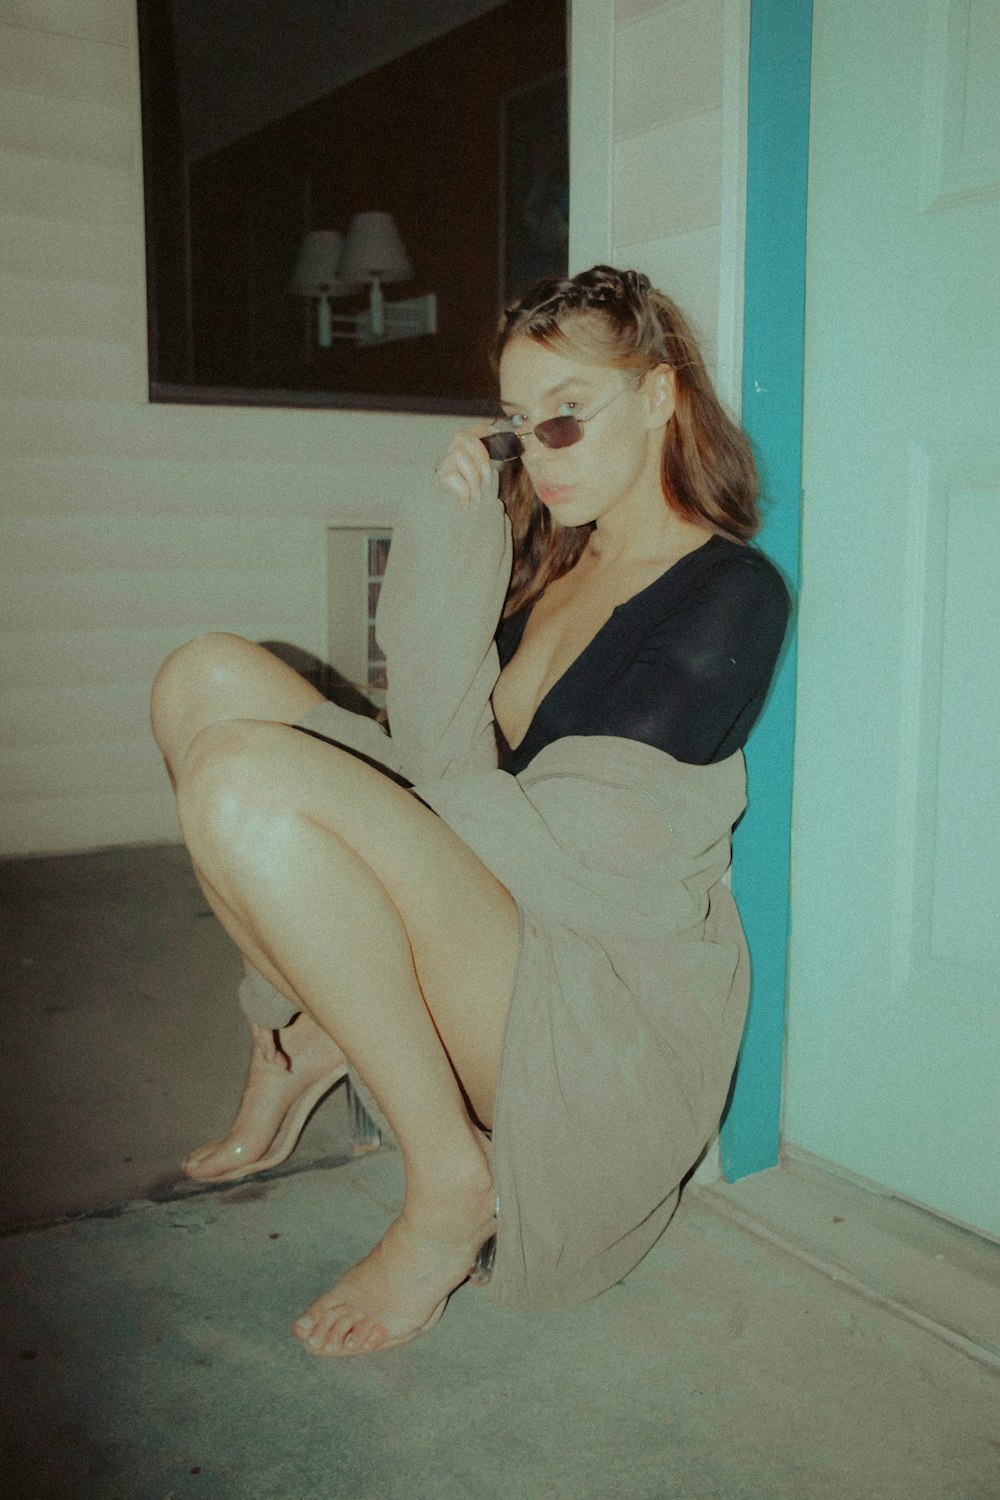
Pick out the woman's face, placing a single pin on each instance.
(619, 453)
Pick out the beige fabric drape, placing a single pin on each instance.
(632, 979)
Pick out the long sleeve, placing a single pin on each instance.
(446, 580)
(698, 681)
(444, 589)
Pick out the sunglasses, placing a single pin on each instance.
(504, 443)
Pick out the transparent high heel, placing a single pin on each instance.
(366, 1135)
(482, 1266)
(479, 1273)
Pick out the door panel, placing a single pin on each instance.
(894, 1006)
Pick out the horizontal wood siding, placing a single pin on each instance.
(671, 195)
(126, 528)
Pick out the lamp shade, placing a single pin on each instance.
(316, 270)
(374, 250)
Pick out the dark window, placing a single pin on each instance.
(265, 120)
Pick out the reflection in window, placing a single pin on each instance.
(266, 121)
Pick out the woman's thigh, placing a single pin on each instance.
(460, 920)
(219, 677)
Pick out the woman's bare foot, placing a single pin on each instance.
(400, 1289)
(283, 1086)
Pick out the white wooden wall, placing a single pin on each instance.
(658, 143)
(679, 161)
(125, 528)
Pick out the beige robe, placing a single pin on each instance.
(632, 978)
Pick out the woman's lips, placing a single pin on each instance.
(553, 494)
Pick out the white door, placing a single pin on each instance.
(893, 1066)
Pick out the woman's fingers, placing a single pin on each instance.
(466, 470)
(463, 470)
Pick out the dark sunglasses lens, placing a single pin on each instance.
(559, 432)
(502, 446)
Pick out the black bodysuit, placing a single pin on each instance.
(683, 665)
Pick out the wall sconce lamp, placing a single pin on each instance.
(331, 265)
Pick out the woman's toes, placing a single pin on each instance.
(338, 1329)
(332, 1331)
(199, 1163)
(374, 1340)
(363, 1336)
(209, 1161)
(355, 1335)
(307, 1324)
(316, 1323)
(202, 1153)
(207, 1156)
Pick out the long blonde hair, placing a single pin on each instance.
(618, 319)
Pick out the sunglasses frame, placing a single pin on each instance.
(498, 444)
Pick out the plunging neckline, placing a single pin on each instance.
(561, 678)
(513, 749)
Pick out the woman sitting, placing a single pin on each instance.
(506, 914)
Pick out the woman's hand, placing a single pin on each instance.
(466, 470)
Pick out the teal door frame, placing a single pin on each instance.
(773, 332)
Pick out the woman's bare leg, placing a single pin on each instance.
(284, 1066)
(211, 680)
(219, 677)
(402, 946)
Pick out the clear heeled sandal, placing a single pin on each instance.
(365, 1133)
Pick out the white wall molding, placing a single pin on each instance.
(591, 131)
(961, 141)
(947, 827)
(733, 199)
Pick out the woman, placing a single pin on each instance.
(534, 939)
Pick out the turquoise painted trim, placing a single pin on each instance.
(773, 332)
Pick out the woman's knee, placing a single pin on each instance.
(227, 794)
(188, 681)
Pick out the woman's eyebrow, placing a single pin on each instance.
(575, 382)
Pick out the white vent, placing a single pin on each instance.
(356, 559)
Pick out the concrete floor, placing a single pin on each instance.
(790, 1338)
